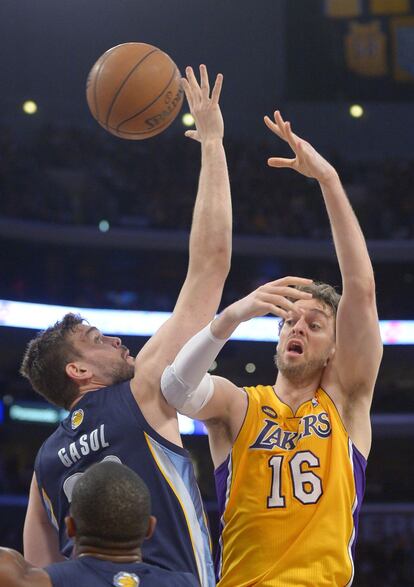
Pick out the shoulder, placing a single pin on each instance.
(228, 399)
(16, 572)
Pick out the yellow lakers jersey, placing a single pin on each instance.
(289, 496)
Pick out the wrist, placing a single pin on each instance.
(329, 178)
(224, 325)
(211, 143)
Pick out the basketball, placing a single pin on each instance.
(134, 91)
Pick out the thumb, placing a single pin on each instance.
(192, 134)
(280, 162)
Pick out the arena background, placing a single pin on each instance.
(61, 175)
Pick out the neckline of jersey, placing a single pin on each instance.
(294, 414)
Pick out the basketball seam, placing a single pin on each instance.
(95, 85)
(175, 69)
(123, 83)
(139, 132)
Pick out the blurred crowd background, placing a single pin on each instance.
(92, 221)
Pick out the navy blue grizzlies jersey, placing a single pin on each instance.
(108, 424)
(91, 572)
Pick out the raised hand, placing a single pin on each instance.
(203, 106)
(307, 160)
(274, 298)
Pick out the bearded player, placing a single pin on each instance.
(116, 409)
(290, 458)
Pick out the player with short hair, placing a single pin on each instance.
(109, 519)
(290, 458)
(116, 410)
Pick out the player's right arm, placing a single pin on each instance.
(209, 254)
(40, 538)
(351, 374)
(188, 387)
(16, 572)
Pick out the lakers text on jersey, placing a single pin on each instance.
(289, 496)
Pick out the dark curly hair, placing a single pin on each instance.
(45, 360)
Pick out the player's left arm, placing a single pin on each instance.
(15, 571)
(210, 237)
(358, 341)
(40, 538)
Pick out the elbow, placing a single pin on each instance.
(214, 267)
(362, 287)
(219, 255)
(222, 268)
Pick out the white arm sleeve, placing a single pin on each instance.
(185, 384)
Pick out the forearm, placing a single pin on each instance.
(197, 355)
(210, 239)
(16, 572)
(40, 538)
(351, 249)
(225, 324)
(186, 384)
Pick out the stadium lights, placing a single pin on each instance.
(104, 226)
(187, 119)
(44, 414)
(29, 107)
(250, 367)
(145, 323)
(356, 111)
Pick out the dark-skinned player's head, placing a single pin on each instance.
(70, 355)
(110, 508)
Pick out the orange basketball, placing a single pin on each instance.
(134, 91)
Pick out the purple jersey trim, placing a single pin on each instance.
(221, 477)
(359, 464)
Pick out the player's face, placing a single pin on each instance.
(307, 341)
(105, 356)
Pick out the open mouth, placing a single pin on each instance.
(295, 347)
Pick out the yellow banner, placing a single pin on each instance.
(365, 49)
(389, 6)
(343, 8)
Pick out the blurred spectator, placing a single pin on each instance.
(79, 176)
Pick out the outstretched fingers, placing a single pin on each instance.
(195, 92)
(187, 92)
(204, 81)
(215, 94)
(272, 126)
(282, 129)
(193, 86)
